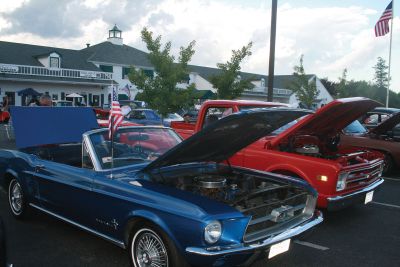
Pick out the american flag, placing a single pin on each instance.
(382, 26)
(126, 90)
(116, 117)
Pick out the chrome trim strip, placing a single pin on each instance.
(363, 168)
(364, 190)
(216, 250)
(112, 240)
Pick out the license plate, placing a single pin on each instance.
(369, 196)
(279, 248)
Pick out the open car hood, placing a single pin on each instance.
(35, 126)
(222, 139)
(387, 125)
(330, 119)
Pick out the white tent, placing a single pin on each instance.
(74, 95)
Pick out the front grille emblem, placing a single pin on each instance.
(282, 213)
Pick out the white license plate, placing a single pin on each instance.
(369, 196)
(279, 248)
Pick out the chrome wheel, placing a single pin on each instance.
(15, 197)
(148, 250)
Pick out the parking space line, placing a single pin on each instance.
(311, 245)
(392, 179)
(385, 204)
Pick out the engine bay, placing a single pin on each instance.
(327, 147)
(240, 191)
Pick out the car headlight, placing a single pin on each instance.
(212, 232)
(341, 183)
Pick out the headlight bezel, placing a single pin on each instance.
(341, 182)
(213, 232)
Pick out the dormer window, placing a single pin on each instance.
(54, 62)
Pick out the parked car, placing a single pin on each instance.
(170, 203)
(172, 117)
(308, 149)
(144, 117)
(102, 118)
(3, 250)
(385, 138)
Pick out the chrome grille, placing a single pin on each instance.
(280, 207)
(364, 176)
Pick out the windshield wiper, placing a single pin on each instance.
(130, 158)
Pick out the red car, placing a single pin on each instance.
(309, 149)
(385, 138)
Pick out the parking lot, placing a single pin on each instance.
(363, 235)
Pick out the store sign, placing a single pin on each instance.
(8, 68)
(87, 74)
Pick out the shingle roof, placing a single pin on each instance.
(280, 81)
(117, 54)
(26, 54)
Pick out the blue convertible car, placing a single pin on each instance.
(169, 203)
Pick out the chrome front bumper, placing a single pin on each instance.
(338, 202)
(222, 250)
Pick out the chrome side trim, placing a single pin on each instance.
(217, 250)
(364, 190)
(105, 237)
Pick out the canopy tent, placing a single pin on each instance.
(28, 91)
(74, 95)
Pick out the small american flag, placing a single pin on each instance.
(382, 26)
(116, 117)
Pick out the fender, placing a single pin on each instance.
(149, 216)
(289, 168)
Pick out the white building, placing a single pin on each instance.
(92, 71)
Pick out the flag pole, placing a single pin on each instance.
(390, 55)
(112, 131)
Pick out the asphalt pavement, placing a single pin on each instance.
(357, 236)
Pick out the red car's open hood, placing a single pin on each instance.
(330, 119)
(387, 125)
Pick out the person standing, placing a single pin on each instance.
(45, 101)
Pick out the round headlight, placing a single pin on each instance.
(212, 232)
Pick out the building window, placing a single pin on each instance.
(106, 68)
(54, 97)
(54, 62)
(11, 98)
(62, 96)
(149, 73)
(125, 72)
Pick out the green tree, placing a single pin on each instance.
(228, 83)
(381, 73)
(341, 86)
(304, 86)
(160, 92)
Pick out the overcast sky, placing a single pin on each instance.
(332, 34)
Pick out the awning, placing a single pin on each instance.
(28, 91)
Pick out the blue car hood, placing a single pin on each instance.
(222, 139)
(35, 126)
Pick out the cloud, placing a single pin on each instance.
(331, 38)
(69, 18)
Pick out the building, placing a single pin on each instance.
(92, 71)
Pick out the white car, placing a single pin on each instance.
(172, 117)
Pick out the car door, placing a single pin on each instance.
(64, 190)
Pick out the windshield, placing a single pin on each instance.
(132, 145)
(355, 128)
